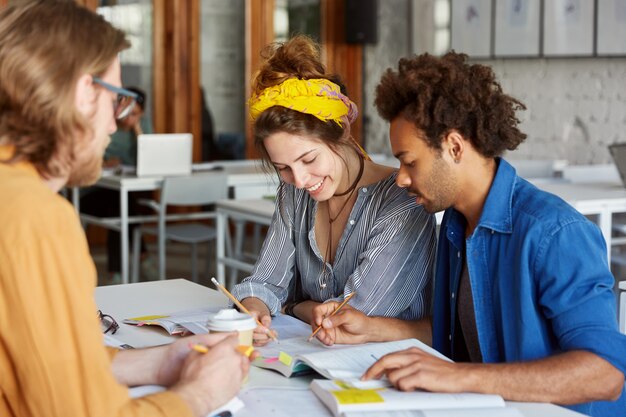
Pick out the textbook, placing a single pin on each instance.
(376, 398)
(193, 321)
(296, 356)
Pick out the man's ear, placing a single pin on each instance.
(454, 146)
(85, 93)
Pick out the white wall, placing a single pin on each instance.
(576, 106)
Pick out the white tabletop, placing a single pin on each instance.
(145, 298)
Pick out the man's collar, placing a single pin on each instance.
(497, 211)
(7, 152)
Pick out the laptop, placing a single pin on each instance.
(618, 152)
(164, 154)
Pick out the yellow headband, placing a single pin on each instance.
(318, 97)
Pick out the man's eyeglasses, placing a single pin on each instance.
(108, 323)
(125, 101)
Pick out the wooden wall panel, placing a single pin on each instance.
(345, 60)
(176, 69)
(259, 32)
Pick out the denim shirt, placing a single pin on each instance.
(539, 277)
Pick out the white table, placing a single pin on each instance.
(259, 211)
(245, 179)
(592, 199)
(131, 300)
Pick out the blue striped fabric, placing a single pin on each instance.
(386, 254)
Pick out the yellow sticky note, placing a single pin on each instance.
(342, 384)
(357, 396)
(285, 358)
(147, 318)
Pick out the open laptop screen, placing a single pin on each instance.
(162, 154)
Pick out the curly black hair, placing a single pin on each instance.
(438, 94)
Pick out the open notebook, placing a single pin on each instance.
(296, 356)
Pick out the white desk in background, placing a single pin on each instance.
(259, 211)
(244, 178)
(131, 300)
(592, 199)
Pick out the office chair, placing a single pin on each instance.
(195, 190)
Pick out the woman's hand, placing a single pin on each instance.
(258, 310)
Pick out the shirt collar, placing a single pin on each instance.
(497, 211)
(7, 152)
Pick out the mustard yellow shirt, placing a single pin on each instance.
(52, 358)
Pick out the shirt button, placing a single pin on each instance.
(493, 231)
(364, 189)
(450, 337)
(458, 254)
(452, 295)
(351, 222)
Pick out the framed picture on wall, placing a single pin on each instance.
(568, 27)
(517, 28)
(611, 27)
(471, 27)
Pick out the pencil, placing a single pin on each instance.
(243, 349)
(240, 306)
(339, 307)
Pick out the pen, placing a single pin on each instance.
(243, 349)
(240, 306)
(339, 307)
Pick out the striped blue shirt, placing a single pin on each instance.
(385, 254)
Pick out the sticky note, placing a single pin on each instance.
(357, 396)
(270, 360)
(342, 384)
(285, 358)
(147, 318)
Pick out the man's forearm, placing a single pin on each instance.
(137, 366)
(385, 329)
(569, 378)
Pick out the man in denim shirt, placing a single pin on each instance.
(523, 292)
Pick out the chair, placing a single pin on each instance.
(195, 190)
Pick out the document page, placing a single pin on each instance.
(289, 327)
(354, 361)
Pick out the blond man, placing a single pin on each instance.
(59, 98)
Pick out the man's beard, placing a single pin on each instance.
(87, 168)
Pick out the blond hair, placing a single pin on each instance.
(45, 46)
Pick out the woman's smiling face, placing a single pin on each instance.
(307, 163)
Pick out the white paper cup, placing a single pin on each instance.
(231, 320)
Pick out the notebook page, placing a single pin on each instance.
(294, 346)
(289, 327)
(353, 362)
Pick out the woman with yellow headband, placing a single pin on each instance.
(341, 225)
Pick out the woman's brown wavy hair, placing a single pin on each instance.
(441, 94)
(41, 59)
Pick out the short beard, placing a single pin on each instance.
(87, 173)
(87, 167)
